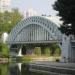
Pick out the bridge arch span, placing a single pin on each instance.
(41, 26)
(37, 28)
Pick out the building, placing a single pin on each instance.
(30, 13)
(5, 5)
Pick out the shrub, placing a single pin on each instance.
(26, 58)
(5, 50)
(37, 51)
(57, 60)
(47, 51)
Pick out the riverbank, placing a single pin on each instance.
(28, 58)
(52, 67)
(4, 60)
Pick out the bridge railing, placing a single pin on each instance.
(32, 42)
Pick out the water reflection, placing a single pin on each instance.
(18, 69)
(4, 69)
(19, 66)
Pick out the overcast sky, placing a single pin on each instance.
(41, 6)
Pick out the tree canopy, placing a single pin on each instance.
(66, 9)
(9, 19)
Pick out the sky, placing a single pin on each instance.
(41, 6)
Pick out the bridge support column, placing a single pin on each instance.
(66, 49)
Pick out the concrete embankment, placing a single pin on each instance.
(53, 68)
(4, 60)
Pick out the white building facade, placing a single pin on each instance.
(5, 5)
(30, 13)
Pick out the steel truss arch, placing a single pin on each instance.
(43, 22)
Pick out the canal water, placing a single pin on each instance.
(19, 69)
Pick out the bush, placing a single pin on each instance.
(57, 52)
(37, 51)
(5, 50)
(26, 58)
(57, 60)
(47, 51)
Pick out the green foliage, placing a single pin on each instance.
(37, 51)
(26, 59)
(57, 52)
(9, 19)
(55, 49)
(66, 11)
(47, 51)
(5, 50)
(4, 69)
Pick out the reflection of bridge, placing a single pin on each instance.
(40, 30)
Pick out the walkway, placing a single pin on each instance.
(54, 67)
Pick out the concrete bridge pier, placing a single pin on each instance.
(68, 52)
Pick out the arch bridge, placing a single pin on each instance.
(37, 30)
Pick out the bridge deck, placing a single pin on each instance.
(36, 42)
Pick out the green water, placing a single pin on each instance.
(18, 69)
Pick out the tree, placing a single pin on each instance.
(16, 17)
(9, 19)
(66, 9)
